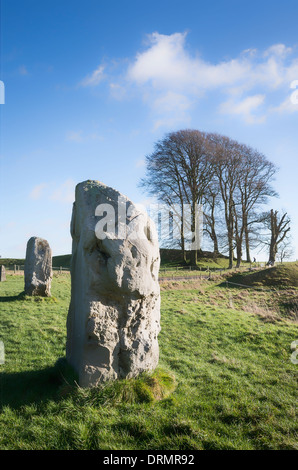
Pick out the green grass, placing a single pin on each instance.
(224, 381)
(281, 276)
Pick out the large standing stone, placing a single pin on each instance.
(38, 267)
(2, 273)
(114, 314)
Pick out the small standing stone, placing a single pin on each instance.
(2, 274)
(38, 267)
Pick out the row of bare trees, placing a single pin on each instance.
(232, 182)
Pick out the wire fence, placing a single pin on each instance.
(213, 268)
(192, 272)
(249, 287)
(19, 269)
(165, 273)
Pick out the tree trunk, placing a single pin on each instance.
(274, 235)
(247, 247)
(193, 257)
(238, 238)
(193, 252)
(239, 254)
(182, 238)
(231, 251)
(183, 244)
(272, 254)
(246, 237)
(215, 244)
(231, 234)
(212, 228)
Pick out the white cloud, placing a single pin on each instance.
(291, 73)
(80, 137)
(172, 101)
(94, 136)
(166, 63)
(287, 106)
(65, 192)
(279, 50)
(37, 191)
(117, 91)
(245, 108)
(171, 109)
(140, 163)
(172, 80)
(95, 78)
(74, 136)
(161, 62)
(23, 70)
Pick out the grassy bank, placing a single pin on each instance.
(227, 350)
(280, 276)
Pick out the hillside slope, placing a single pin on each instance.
(282, 276)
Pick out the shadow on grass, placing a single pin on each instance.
(22, 296)
(12, 298)
(232, 283)
(250, 280)
(37, 386)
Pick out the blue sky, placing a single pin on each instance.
(91, 85)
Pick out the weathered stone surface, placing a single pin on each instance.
(38, 267)
(114, 314)
(2, 273)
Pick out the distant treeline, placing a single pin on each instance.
(168, 256)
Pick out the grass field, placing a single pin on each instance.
(228, 349)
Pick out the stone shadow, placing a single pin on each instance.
(35, 386)
(13, 298)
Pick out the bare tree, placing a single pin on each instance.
(212, 203)
(163, 180)
(178, 172)
(233, 181)
(226, 160)
(278, 227)
(244, 177)
(254, 186)
(196, 170)
(285, 250)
